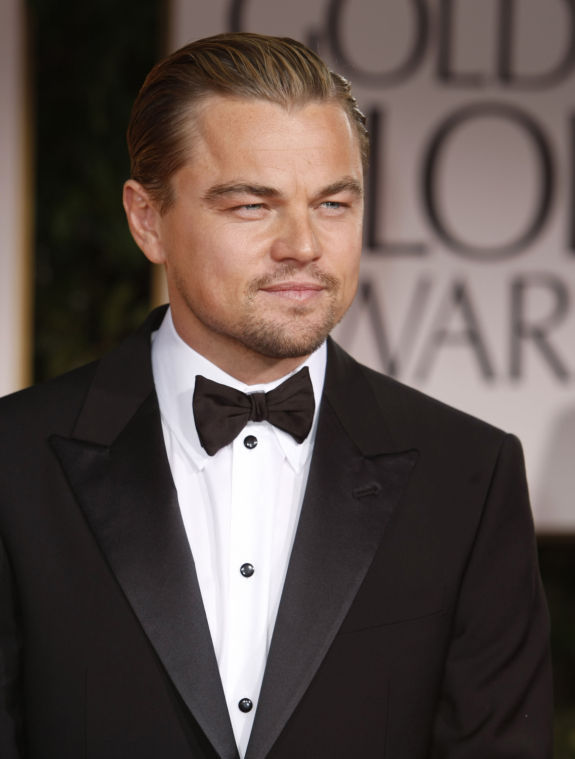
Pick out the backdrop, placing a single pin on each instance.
(468, 280)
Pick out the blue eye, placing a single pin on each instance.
(334, 207)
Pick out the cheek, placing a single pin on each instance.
(221, 279)
(226, 252)
(349, 273)
(224, 271)
(348, 260)
(206, 259)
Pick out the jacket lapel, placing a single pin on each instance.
(355, 483)
(116, 465)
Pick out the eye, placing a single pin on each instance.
(333, 207)
(249, 210)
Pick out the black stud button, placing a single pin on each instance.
(247, 570)
(245, 705)
(250, 441)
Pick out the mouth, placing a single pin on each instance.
(294, 290)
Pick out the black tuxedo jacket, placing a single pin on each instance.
(412, 622)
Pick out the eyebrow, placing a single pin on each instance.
(240, 188)
(345, 184)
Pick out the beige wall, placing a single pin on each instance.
(15, 306)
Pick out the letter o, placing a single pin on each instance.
(432, 160)
(383, 78)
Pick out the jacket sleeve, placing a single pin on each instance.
(10, 717)
(496, 697)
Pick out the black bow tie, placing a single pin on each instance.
(221, 412)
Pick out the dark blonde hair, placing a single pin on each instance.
(277, 69)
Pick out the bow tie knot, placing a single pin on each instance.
(221, 412)
(259, 409)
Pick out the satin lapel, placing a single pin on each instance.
(126, 491)
(349, 500)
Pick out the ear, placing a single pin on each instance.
(144, 220)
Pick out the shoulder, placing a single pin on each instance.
(52, 405)
(412, 418)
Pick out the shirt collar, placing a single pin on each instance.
(175, 366)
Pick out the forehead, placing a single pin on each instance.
(230, 132)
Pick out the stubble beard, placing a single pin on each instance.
(297, 333)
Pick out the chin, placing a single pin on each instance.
(277, 341)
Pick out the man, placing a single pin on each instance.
(191, 568)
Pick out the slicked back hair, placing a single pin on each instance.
(252, 66)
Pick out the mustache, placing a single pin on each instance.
(288, 271)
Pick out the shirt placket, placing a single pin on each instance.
(249, 573)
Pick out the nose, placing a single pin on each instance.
(296, 238)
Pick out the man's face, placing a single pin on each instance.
(263, 240)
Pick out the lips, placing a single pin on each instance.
(280, 286)
(294, 290)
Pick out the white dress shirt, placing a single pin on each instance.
(240, 507)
